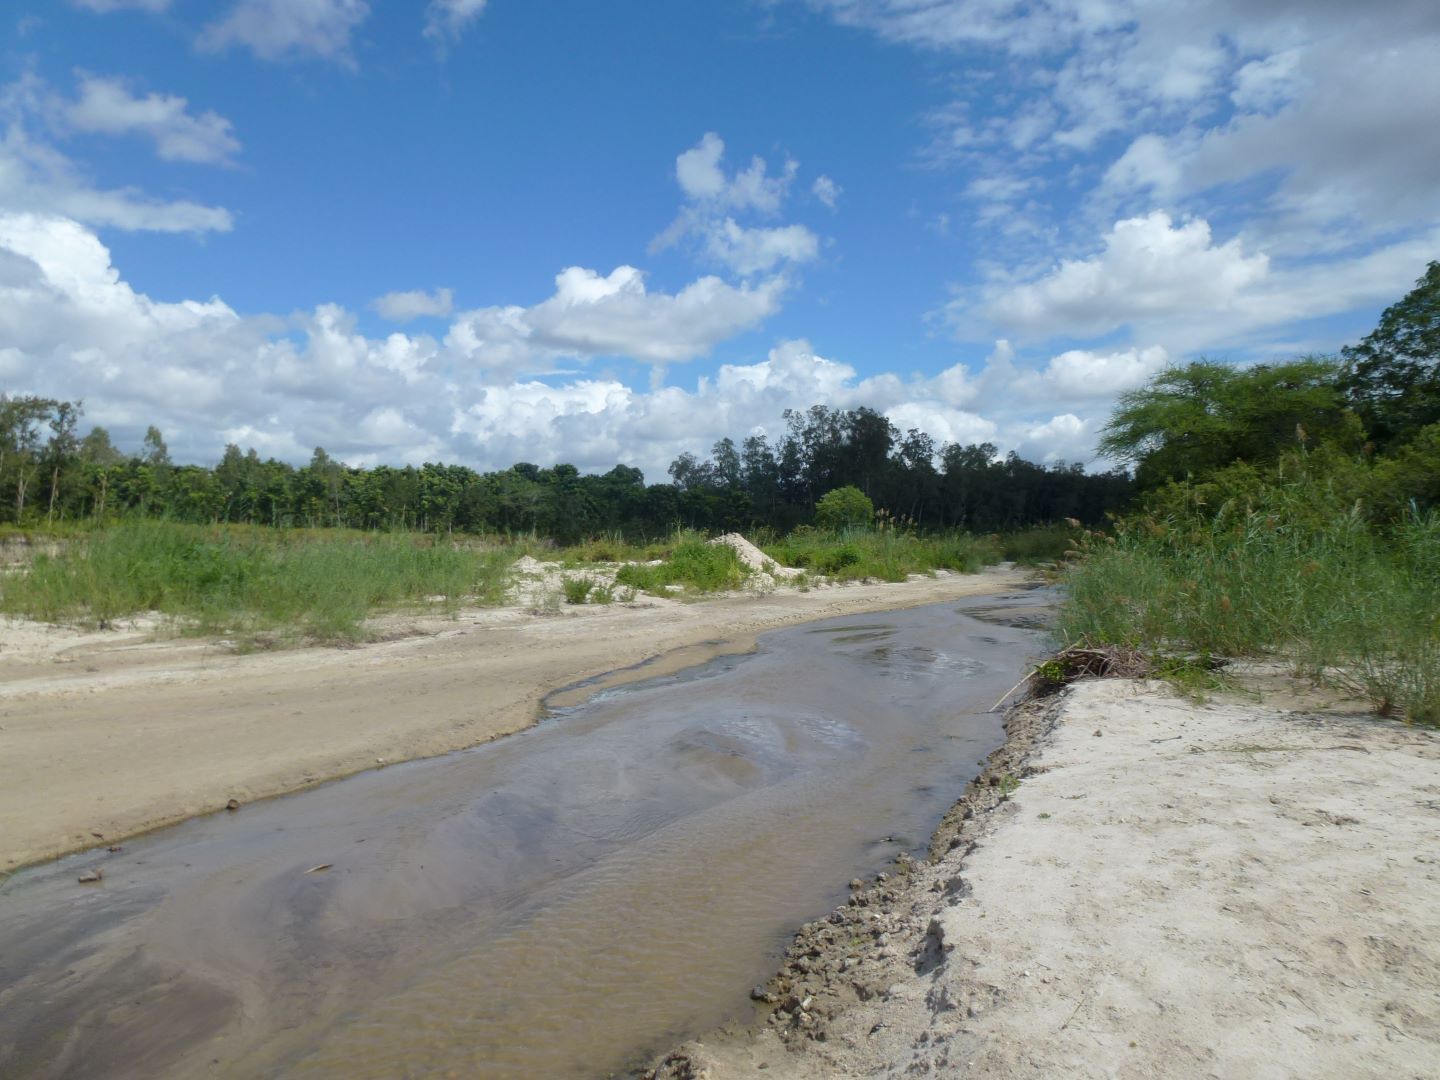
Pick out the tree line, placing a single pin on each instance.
(1372, 414)
(51, 474)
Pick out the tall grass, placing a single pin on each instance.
(1286, 572)
(317, 584)
(1042, 544)
(886, 554)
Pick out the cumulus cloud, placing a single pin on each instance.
(703, 179)
(1149, 268)
(108, 107)
(1174, 285)
(207, 374)
(289, 29)
(404, 306)
(713, 197)
(447, 19)
(593, 315)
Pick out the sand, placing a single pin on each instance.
(1171, 889)
(105, 735)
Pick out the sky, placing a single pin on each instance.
(490, 231)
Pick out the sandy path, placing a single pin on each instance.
(104, 736)
(1200, 891)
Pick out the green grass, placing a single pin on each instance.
(577, 589)
(1043, 544)
(689, 562)
(1342, 600)
(889, 555)
(251, 581)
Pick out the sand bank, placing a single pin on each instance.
(1138, 886)
(104, 735)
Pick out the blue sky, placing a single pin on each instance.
(487, 231)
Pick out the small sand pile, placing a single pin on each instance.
(754, 558)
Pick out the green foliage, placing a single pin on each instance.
(854, 554)
(1393, 376)
(316, 584)
(1289, 568)
(1044, 544)
(845, 507)
(576, 589)
(1192, 421)
(691, 563)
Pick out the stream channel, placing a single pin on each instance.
(564, 902)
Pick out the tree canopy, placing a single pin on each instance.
(1192, 420)
(1392, 378)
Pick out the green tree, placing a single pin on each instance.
(1393, 376)
(1193, 420)
(843, 508)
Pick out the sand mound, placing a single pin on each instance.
(754, 558)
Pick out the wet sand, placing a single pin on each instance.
(103, 736)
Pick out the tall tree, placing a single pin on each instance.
(1393, 376)
(1192, 420)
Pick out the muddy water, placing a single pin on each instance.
(559, 903)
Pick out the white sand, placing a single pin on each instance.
(1222, 890)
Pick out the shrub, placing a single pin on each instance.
(576, 589)
(844, 508)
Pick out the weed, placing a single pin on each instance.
(576, 589)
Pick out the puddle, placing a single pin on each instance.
(560, 903)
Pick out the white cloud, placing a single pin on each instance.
(1308, 124)
(289, 29)
(1173, 285)
(107, 107)
(757, 250)
(1149, 269)
(206, 374)
(36, 177)
(591, 315)
(703, 180)
(827, 191)
(404, 306)
(447, 19)
(104, 6)
(713, 198)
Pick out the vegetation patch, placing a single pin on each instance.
(691, 563)
(315, 584)
(889, 554)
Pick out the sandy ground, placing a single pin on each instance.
(104, 735)
(1170, 890)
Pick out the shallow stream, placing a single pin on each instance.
(560, 903)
